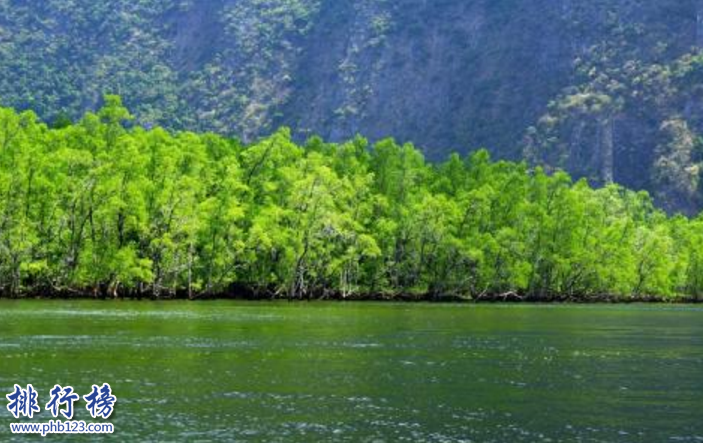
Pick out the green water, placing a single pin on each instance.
(365, 372)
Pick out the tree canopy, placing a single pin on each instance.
(106, 208)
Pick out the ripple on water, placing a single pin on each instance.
(230, 315)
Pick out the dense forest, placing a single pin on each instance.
(107, 208)
(608, 90)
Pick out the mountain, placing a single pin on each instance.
(607, 89)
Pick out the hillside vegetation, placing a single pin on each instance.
(610, 90)
(104, 208)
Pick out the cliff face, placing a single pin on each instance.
(446, 75)
(608, 89)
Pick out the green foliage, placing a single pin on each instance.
(106, 208)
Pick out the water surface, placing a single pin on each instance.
(224, 371)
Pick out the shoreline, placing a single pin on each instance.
(362, 298)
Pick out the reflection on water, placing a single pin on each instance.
(367, 372)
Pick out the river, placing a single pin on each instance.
(365, 372)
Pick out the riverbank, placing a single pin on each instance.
(247, 294)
